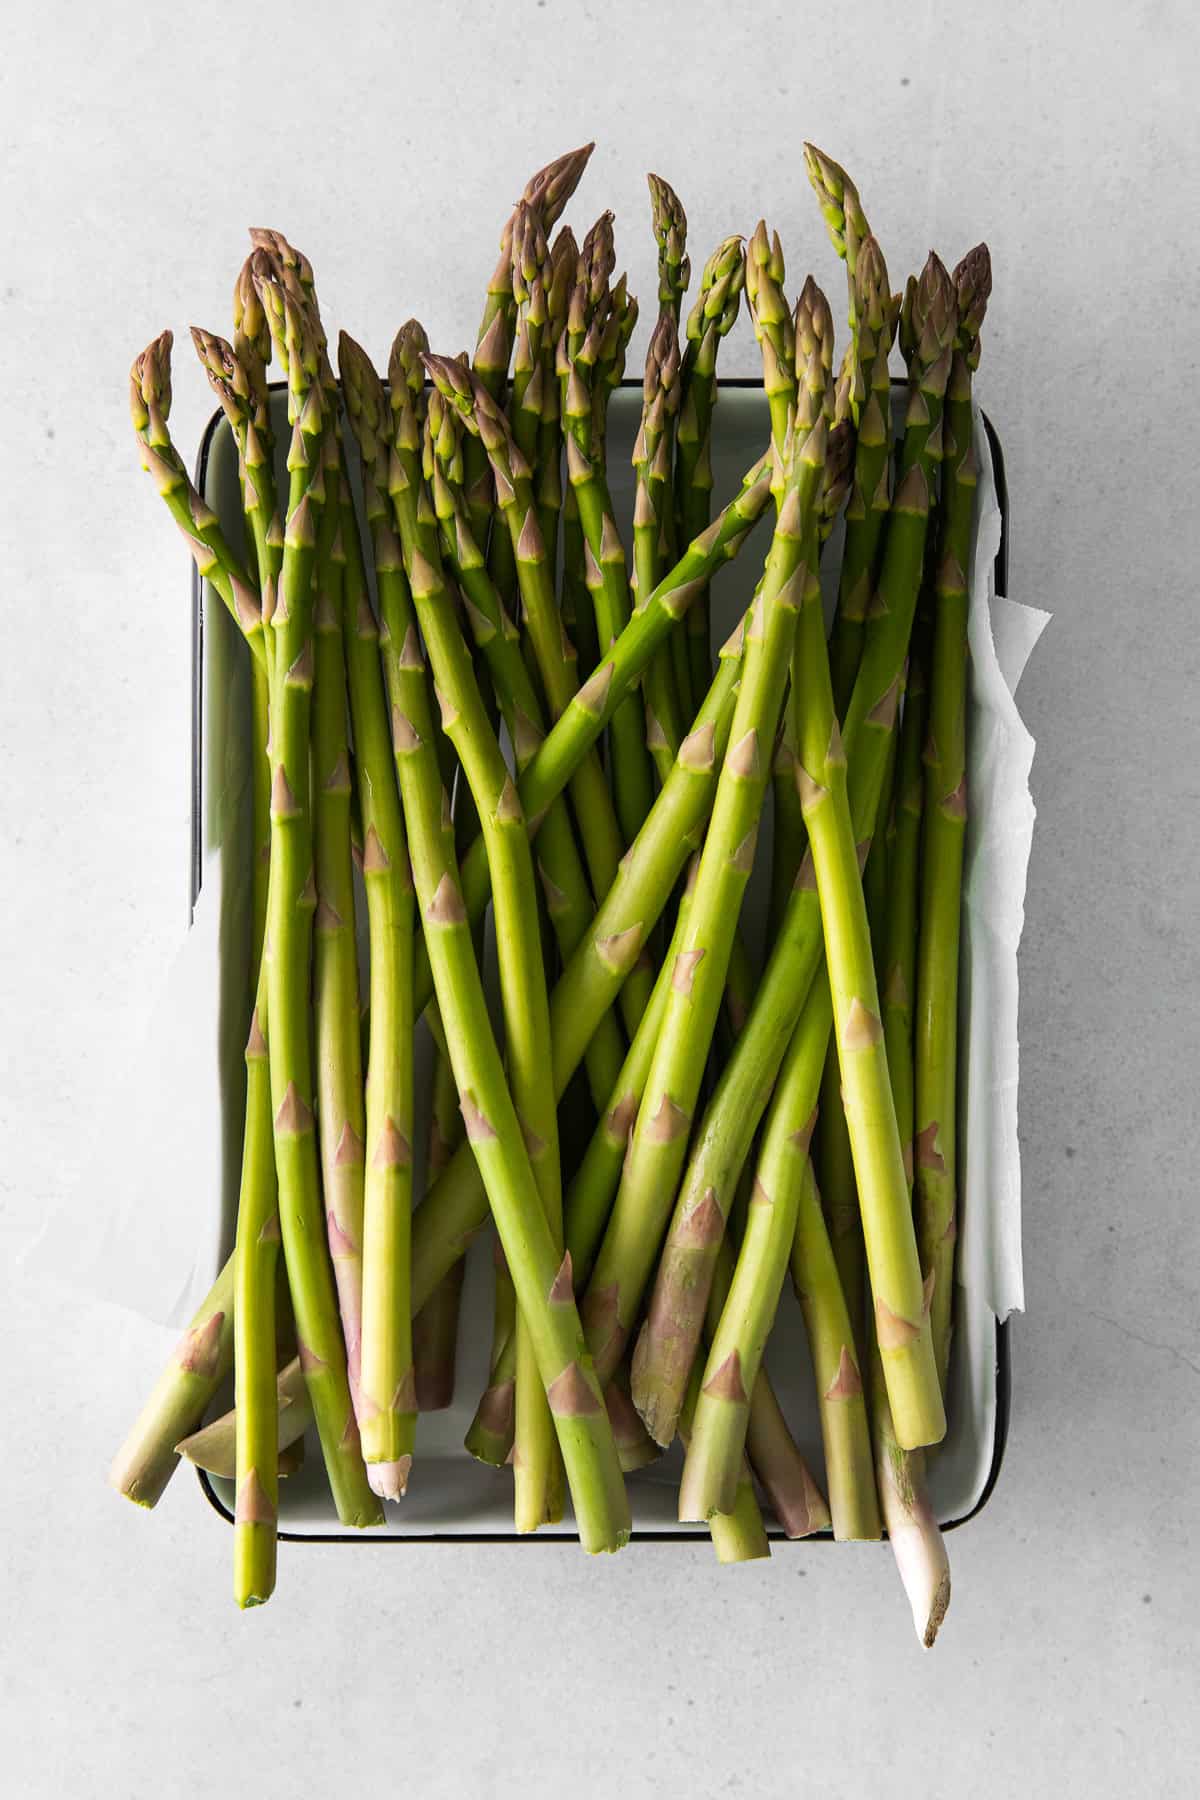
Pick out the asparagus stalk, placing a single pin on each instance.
(194, 1371)
(665, 727)
(594, 813)
(435, 1327)
(548, 190)
(239, 382)
(256, 1256)
(711, 319)
(150, 407)
(738, 1535)
(493, 1127)
(213, 1447)
(671, 1334)
(514, 895)
(787, 840)
(606, 573)
(899, 1300)
(659, 1140)
(936, 1039)
(711, 1471)
(866, 514)
(292, 903)
(916, 1541)
(589, 986)
(832, 1341)
(796, 1500)
(674, 272)
(898, 978)
(341, 1117)
(490, 1434)
(569, 901)
(572, 736)
(774, 326)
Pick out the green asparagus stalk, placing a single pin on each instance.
(916, 1541)
(558, 757)
(341, 1118)
(711, 1471)
(213, 1447)
(899, 1300)
(197, 1366)
(292, 903)
(787, 1481)
(435, 1327)
(898, 978)
(536, 1465)
(670, 232)
(569, 902)
(665, 712)
(773, 326)
(256, 1254)
(832, 1340)
(493, 1127)
(866, 514)
(150, 406)
(490, 1434)
(674, 272)
(710, 320)
(659, 1140)
(589, 986)
(548, 191)
(589, 1199)
(936, 1041)
(787, 839)
(738, 1535)
(834, 1174)
(239, 383)
(844, 218)
(593, 805)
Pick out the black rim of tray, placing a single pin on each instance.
(447, 1538)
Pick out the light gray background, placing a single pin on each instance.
(388, 141)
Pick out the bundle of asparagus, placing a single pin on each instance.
(476, 628)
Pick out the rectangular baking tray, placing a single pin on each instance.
(452, 1498)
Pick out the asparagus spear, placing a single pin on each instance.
(670, 232)
(711, 319)
(589, 986)
(795, 1498)
(571, 737)
(787, 838)
(665, 726)
(845, 1428)
(606, 573)
(213, 1446)
(899, 1301)
(150, 406)
(898, 977)
(593, 805)
(490, 1434)
(239, 383)
(674, 272)
(518, 936)
(197, 1366)
(659, 1141)
(867, 512)
(569, 901)
(739, 1534)
(711, 1471)
(293, 901)
(936, 1040)
(493, 1127)
(435, 1327)
(548, 190)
